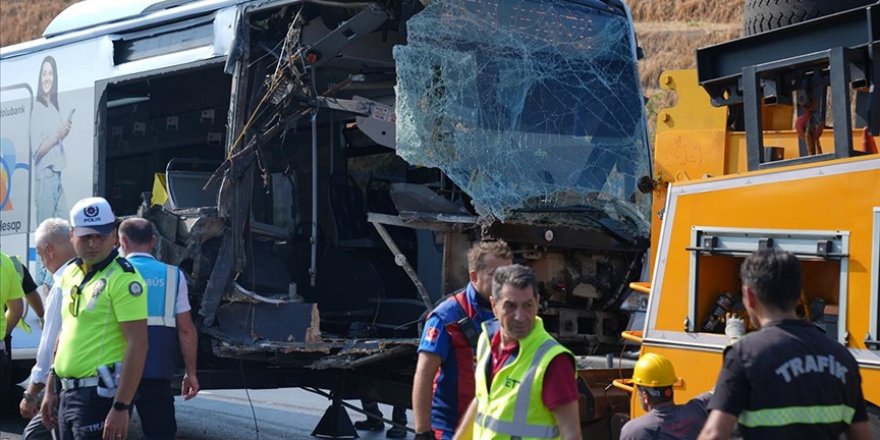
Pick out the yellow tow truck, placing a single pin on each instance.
(772, 143)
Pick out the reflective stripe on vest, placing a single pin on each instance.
(809, 415)
(514, 429)
(19, 267)
(523, 396)
(168, 318)
(162, 281)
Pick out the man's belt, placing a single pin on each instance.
(72, 383)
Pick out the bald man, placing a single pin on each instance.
(169, 324)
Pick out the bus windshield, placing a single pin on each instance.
(525, 105)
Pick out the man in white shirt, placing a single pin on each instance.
(52, 239)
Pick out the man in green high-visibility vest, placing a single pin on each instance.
(525, 380)
(787, 380)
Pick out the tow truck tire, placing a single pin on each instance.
(764, 15)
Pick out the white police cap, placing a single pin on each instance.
(92, 215)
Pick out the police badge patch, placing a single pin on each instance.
(100, 285)
(135, 288)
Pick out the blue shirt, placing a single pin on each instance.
(436, 339)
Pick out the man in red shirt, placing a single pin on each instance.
(515, 355)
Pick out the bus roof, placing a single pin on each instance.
(77, 23)
(90, 13)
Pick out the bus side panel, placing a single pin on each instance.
(47, 103)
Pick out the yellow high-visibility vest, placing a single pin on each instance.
(512, 407)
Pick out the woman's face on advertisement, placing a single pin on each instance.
(47, 78)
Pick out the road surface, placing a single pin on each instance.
(288, 413)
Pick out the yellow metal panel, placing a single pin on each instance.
(838, 202)
(870, 388)
(690, 139)
(693, 109)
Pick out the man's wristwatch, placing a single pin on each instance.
(28, 397)
(119, 406)
(427, 435)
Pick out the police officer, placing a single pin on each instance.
(169, 321)
(525, 379)
(787, 380)
(11, 296)
(52, 243)
(448, 344)
(653, 378)
(32, 297)
(103, 339)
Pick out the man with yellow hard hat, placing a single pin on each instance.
(653, 379)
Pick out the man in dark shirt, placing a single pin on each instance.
(788, 380)
(653, 379)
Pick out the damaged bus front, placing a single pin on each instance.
(320, 168)
(371, 144)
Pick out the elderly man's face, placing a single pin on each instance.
(516, 310)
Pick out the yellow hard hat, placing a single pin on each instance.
(654, 370)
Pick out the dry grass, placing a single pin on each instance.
(667, 47)
(23, 20)
(714, 11)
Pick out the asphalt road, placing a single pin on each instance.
(226, 414)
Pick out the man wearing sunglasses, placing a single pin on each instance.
(103, 339)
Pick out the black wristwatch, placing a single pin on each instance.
(119, 406)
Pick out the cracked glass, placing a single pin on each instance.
(530, 107)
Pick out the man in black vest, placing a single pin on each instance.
(788, 380)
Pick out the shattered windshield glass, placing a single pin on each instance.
(526, 105)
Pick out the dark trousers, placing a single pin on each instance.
(398, 414)
(81, 414)
(35, 430)
(155, 406)
(6, 370)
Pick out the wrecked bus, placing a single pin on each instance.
(318, 169)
